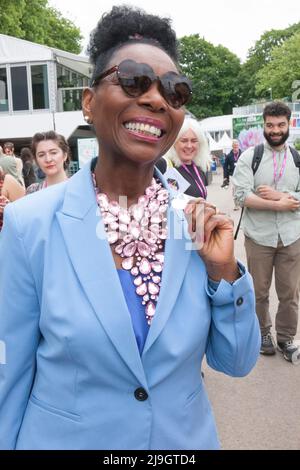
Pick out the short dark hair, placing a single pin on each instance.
(8, 145)
(277, 108)
(128, 25)
(51, 135)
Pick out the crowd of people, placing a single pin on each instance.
(97, 341)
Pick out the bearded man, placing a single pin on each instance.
(271, 224)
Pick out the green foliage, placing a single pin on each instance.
(35, 21)
(213, 71)
(258, 57)
(282, 70)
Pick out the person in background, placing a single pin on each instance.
(271, 224)
(191, 157)
(28, 166)
(102, 353)
(8, 149)
(10, 190)
(51, 153)
(9, 165)
(230, 162)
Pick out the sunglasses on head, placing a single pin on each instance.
(135, 79)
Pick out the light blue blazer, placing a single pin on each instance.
(72, 365)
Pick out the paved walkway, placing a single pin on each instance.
(262, 410)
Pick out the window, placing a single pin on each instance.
(39, 80)
(3, 90)
(19, 88)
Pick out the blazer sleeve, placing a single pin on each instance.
(234, 339)
(19, 330)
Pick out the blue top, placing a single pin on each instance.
(137, 310)
(135, 307)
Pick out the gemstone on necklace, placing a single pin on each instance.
(162, 195)
(138, 281)
(154, 228)
(156, 279)
(114, 226)
(160, 257)
(143, 249)
(150, 191)
(119, 249)
(153, 206)
(163, 234)
(144, 222)
(127, 239)
(143, 200)
(149, 237)
(153, 288)
(135, 271)
(150, 311)
(156, 218)
(114, 208)
(103, 201)
(123, 228)
(137, 212)
(134, 229)
(112, 237)
(130, 249)
(145, 266)
(128, 263)
(163, 209)
(124, 217)
(142, 289)
(157, 266)
(109, 218)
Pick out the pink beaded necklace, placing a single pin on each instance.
(139, 234)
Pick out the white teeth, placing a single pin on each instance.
(143, 128)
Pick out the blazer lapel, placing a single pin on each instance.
(177, 255)
(91, 257)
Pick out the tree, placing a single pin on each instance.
(282, 70)
(35, 21)
(213, 71)
(258, 57)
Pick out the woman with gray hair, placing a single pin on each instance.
(191, 157)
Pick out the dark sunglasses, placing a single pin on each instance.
(135, 79)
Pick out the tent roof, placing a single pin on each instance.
(14, 50)
(213, 145)
(225, 142)
(217, 123)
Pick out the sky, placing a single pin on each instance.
(235, 24)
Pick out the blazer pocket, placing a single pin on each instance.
(193, 395)
(56, 411)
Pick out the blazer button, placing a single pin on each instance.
(240, 301)
(141, 394)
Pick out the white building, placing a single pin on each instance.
(40, 90)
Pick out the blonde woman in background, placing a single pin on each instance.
(191, 157)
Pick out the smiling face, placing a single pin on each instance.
(139, 129)
(187, 146)
(50, 157)
(276, 130)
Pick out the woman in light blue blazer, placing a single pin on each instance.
(107, 307)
